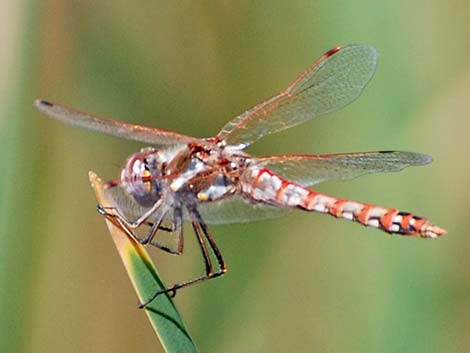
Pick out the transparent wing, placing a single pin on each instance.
(333, 81)
(237, 210)
(308, 170)
(231, 210)
(120, 129)
(129, 208)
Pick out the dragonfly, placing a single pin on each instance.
(214, 181)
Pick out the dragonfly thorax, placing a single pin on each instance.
(142, 176)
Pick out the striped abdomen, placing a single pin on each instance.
(263, 185)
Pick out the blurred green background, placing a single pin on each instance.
(304, 283)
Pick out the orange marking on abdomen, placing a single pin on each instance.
(336, 209)
(310, 200)
(256, 181)
(281, 190)
(417, 225)
(363, 216)
(387, 219)
(405, 222)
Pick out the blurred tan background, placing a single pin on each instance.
(304, 283)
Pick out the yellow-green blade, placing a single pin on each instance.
(162, 313)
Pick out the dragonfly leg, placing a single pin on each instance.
(202, 234)
(131, 224)
(103, 210)
(203, 246)
(212, 243)
(176, 227)
(128, 226)
(153, 230)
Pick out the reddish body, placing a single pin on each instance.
(200, 179)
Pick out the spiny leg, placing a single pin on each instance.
(153, 230)
(199, 227)
(205, 255)
(116, 215)
(177, 286)
(177, 227)
(203, 247)
(213, 245)
(116, 212)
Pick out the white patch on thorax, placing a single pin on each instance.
(215, 192)
(195, 167)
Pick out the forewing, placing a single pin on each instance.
(149, 135)
(308, 170)
(333, 81)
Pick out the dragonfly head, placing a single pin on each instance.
(142, 177)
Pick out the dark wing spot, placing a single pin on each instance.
(46, 103)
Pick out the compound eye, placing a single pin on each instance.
(141, 179)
